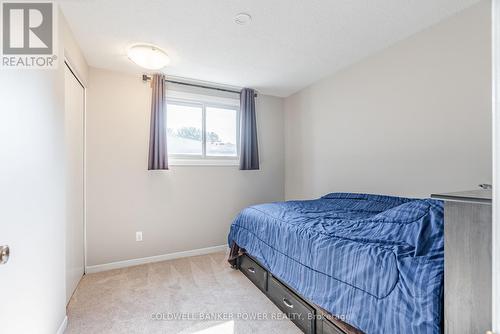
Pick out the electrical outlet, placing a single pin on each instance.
(138, 236)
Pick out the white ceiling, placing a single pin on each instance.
(288, 45)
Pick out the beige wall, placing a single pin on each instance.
(411, 120)
(182, 209)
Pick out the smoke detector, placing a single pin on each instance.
(242, 19)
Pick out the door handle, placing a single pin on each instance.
(287, 303)
(251, 270)
(4, 254)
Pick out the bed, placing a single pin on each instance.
(375, 262)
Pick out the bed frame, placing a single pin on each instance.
(311, 319)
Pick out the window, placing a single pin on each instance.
(184, 129)
(202, 133)
(221, 132)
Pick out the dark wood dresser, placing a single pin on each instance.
(467, 256)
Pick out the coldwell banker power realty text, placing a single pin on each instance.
(28, 35)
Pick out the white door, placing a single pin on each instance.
(32, 201)
(75, 229)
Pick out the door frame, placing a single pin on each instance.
(495, 39)
(71, 68)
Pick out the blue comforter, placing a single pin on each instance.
(374, 261)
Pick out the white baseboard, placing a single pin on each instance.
(63, 326)
(157, 258)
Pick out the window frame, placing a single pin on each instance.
(204, 160)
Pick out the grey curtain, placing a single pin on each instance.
(249, 150)
(158, 158)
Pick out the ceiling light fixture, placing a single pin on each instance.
(148, 56)
(242, 18)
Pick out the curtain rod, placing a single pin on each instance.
(145, 78)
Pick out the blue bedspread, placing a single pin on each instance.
(374, 261)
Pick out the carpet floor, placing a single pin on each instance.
(200, 294)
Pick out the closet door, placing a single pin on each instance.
(75, 229)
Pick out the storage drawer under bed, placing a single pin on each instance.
(294, 307)
(254, 272)
(323, 326)
(297, 310)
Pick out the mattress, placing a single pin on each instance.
(375, 262)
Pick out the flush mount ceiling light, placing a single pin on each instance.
(148, 56)
(242, 18)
